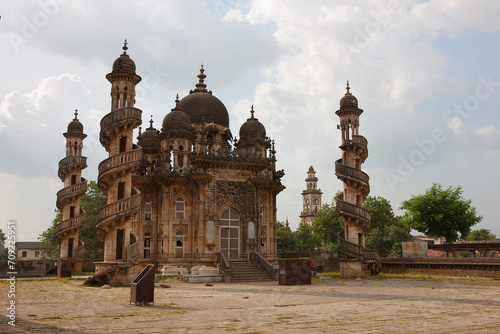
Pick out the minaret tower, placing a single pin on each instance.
(357, 261)
(114, 221)
(311, 199)
(68, 201)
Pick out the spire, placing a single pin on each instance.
(125, 48)
(348, 93)
(201, 86)
(251, 112)
(76, 115)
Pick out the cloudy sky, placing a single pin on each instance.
(426, 74)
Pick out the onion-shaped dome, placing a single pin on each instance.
(202, 107)
(149, 140)
(348, 101)
(252, 131)
(124, 64)
(75, 127)
(177, 123)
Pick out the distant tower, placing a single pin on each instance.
(68, 201)
(311, 199)
(357, 261)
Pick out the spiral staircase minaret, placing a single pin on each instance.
(356, 260)
(114, 220)
(68, 201)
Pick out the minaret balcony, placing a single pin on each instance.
(120, 162)
(127, 117)
(118, 209)
(68, 194)
(68, 164)
(70, 224)
(347, 173)
(353, 212)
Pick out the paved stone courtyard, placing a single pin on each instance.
(330, 305)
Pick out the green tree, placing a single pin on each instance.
(91, 202)
(3, 252)
(286, 238)
(306, 240)
(50, 248)
(328, 223)
(480, 235)
(441, 213)
(387, 229)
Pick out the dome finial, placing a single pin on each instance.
(151, 122)
(200, 86)
(76, 115)
(177, 100)
(252, 111)
(125, 48)
(348, 87)
(140, 131)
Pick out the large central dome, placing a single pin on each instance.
(202, 107)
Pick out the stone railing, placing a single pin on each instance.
(224, 266)
(133, 156)
(74, 190)
(344, 170)
(360, 140)
(271, 270)
(73, 222)
(118, 208)
(74, 160)
(127, 114)
(353, 211)
(80, 250)
(352, 250)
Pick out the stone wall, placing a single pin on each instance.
(27, 268)
(483, 267)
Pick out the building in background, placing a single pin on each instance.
(311, 199)
(28, 250)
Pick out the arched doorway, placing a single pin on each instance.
(179, 245)
(229, 234)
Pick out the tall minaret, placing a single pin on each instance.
(114, 221)
(311, 199)
(68, 201)
(357, 221)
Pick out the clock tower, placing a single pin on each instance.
(311, 199)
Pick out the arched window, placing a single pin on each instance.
(180, 209)
(147, 246)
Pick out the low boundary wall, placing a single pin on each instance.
(482, 267)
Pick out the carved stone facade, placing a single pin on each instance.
(181, 194)
(311, 199)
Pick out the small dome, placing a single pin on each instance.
(202, 107)
(252, 130)
(349, 101)
(123, 64)
(311, 170)
(75, 126)
(177, 123)
(149, 140)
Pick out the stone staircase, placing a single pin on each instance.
(244, 271)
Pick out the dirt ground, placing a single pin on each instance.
(329, 305)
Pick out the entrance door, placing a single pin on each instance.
(229, 234)
(179, 245)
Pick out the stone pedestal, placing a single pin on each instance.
(353, 268)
